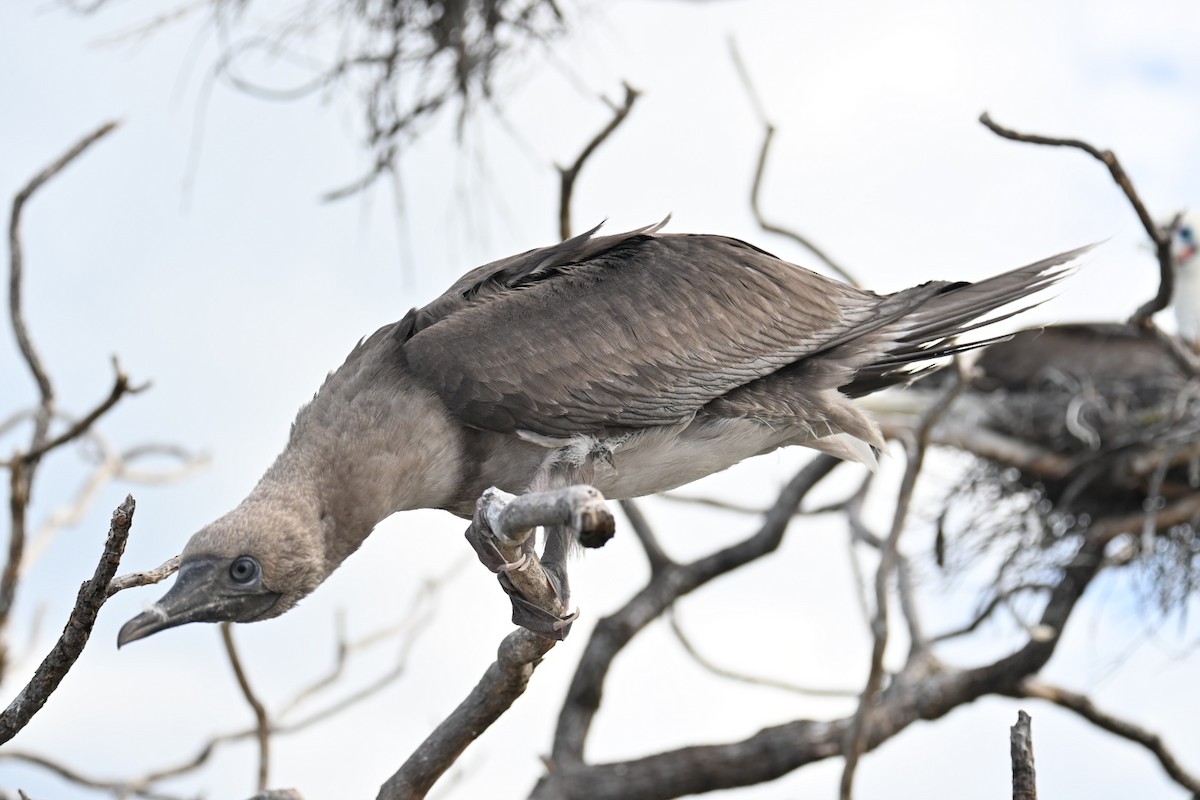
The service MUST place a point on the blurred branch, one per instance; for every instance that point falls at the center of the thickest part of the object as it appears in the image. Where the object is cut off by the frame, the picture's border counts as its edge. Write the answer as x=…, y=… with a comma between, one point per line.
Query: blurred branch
x=760, y=170
x=1082, y=705
x=568, y=175
x=889, y=559
x=62, y=656
x=1161, y=237
x=722, y=672
x=120, y=388
x=262, y=720
x=22, y=474
x=658, y=558
x=16, y=259
x=924, y=689
x=613, y=633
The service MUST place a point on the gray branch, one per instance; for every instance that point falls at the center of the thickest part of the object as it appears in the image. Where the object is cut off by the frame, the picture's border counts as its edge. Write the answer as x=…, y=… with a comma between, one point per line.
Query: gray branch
x=62, y=656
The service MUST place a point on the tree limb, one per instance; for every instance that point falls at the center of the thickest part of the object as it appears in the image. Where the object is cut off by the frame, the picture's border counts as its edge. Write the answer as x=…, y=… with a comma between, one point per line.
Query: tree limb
x=262, y=719
x=611, y=634
x=503, y=682
x=568, y=175
x=1161, y=237
x=62, y=656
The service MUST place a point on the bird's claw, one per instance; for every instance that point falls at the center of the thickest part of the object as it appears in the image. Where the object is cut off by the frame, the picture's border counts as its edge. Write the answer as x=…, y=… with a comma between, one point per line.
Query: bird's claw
x=533, y=617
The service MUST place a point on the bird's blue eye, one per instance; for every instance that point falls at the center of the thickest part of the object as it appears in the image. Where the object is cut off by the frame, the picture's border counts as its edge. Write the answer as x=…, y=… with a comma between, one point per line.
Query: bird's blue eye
x=244, y=569
x=1187, y=234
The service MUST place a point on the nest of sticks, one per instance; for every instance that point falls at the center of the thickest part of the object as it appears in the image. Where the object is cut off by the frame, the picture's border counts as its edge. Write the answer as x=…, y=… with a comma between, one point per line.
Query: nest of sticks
x=1081, y=430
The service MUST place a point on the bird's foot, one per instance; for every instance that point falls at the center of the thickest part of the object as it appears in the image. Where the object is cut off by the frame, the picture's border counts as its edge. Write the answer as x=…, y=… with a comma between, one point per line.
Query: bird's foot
x=501, y=534
x=532, y=616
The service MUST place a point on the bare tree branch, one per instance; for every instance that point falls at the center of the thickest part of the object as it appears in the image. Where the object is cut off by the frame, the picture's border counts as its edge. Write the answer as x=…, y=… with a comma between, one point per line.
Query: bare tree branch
x=760, y=170
x=753, y=680
x=1159, y=236
x=1082, y=705
x=16, y=258
x=612, y=633
x=568, y=175
x=134, y=579
x=120, y=388
x=262, y=720
x=503, y=682
x=856, y=741
x=1021, y=748
x=62, y=656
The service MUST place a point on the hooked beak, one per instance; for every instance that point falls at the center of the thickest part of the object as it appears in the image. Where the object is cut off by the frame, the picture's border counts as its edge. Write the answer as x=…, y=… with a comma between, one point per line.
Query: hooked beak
x=202, y=593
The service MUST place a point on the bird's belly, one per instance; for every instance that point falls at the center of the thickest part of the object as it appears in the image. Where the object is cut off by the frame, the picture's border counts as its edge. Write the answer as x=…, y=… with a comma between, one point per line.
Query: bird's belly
x=663, y=458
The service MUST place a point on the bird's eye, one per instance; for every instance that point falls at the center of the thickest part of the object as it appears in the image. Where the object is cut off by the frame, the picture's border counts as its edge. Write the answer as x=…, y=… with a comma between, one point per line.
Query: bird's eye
x=244, y=569
x=1186, y=234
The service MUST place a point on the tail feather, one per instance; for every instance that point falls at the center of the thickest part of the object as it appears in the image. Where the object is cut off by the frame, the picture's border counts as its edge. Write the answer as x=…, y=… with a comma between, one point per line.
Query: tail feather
x=927, y=331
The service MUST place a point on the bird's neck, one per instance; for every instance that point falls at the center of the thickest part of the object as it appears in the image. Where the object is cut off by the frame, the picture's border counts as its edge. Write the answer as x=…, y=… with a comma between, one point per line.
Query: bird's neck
x=366, y=447
x=1187, y=301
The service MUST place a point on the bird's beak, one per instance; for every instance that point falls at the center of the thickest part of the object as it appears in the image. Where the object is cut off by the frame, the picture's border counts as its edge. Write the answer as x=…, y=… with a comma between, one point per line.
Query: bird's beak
x=200, y=594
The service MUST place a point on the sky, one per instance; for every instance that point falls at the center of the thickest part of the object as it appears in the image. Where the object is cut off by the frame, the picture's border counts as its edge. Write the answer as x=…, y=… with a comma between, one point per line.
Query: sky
x=192, y=244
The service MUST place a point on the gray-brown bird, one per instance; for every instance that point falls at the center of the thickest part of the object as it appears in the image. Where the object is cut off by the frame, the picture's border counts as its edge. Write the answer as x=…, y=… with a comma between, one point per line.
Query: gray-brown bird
x=635, y=362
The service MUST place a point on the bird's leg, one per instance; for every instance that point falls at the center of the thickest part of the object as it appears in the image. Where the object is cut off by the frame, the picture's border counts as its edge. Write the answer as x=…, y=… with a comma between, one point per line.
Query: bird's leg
x=554, y=562
x=502, y=535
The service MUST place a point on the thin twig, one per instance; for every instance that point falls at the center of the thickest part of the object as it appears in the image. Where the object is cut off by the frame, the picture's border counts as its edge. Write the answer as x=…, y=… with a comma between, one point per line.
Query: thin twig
x=16, y=257
x=753, y=680
x=856, y=740
x=70, y=644
x=760, y=170
x=262, y=720
x=120, y=388
x=568, y=175
x=1161, y=237
x=612, y=633
x=132, y=580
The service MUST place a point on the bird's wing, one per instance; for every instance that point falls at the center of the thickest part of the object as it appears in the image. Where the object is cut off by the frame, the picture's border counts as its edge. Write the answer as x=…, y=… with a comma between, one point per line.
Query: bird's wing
x=599, y=336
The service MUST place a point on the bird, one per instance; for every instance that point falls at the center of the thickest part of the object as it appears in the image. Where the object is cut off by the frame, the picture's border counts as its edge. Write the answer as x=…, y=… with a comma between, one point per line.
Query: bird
x=1186, y=297
x=634, y=362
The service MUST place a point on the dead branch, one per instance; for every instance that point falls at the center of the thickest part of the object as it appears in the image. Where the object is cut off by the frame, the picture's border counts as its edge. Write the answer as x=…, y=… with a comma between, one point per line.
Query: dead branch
x=753, y=680
x=262, y=720
x=16, y=257
x=999, y=599
x=760, y=170
x=415, y=621
x=1082, y=705
x=503, y=682
x=674, y=581
x=121, y=387
x=1021, y=748
x=1161, y=237
x=134, y=579
x=22, y=475
x=924, y=689
x=62, y=656
x=568, y=175
x=657, y=557
x=889, y=558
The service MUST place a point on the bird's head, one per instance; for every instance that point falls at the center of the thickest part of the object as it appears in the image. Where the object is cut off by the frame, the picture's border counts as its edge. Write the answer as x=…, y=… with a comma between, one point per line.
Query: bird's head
x=251, y=564
x=1186, y=240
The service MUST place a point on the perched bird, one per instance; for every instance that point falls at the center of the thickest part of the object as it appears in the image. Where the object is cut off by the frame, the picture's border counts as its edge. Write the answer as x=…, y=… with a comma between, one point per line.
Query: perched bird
x=635, y=362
